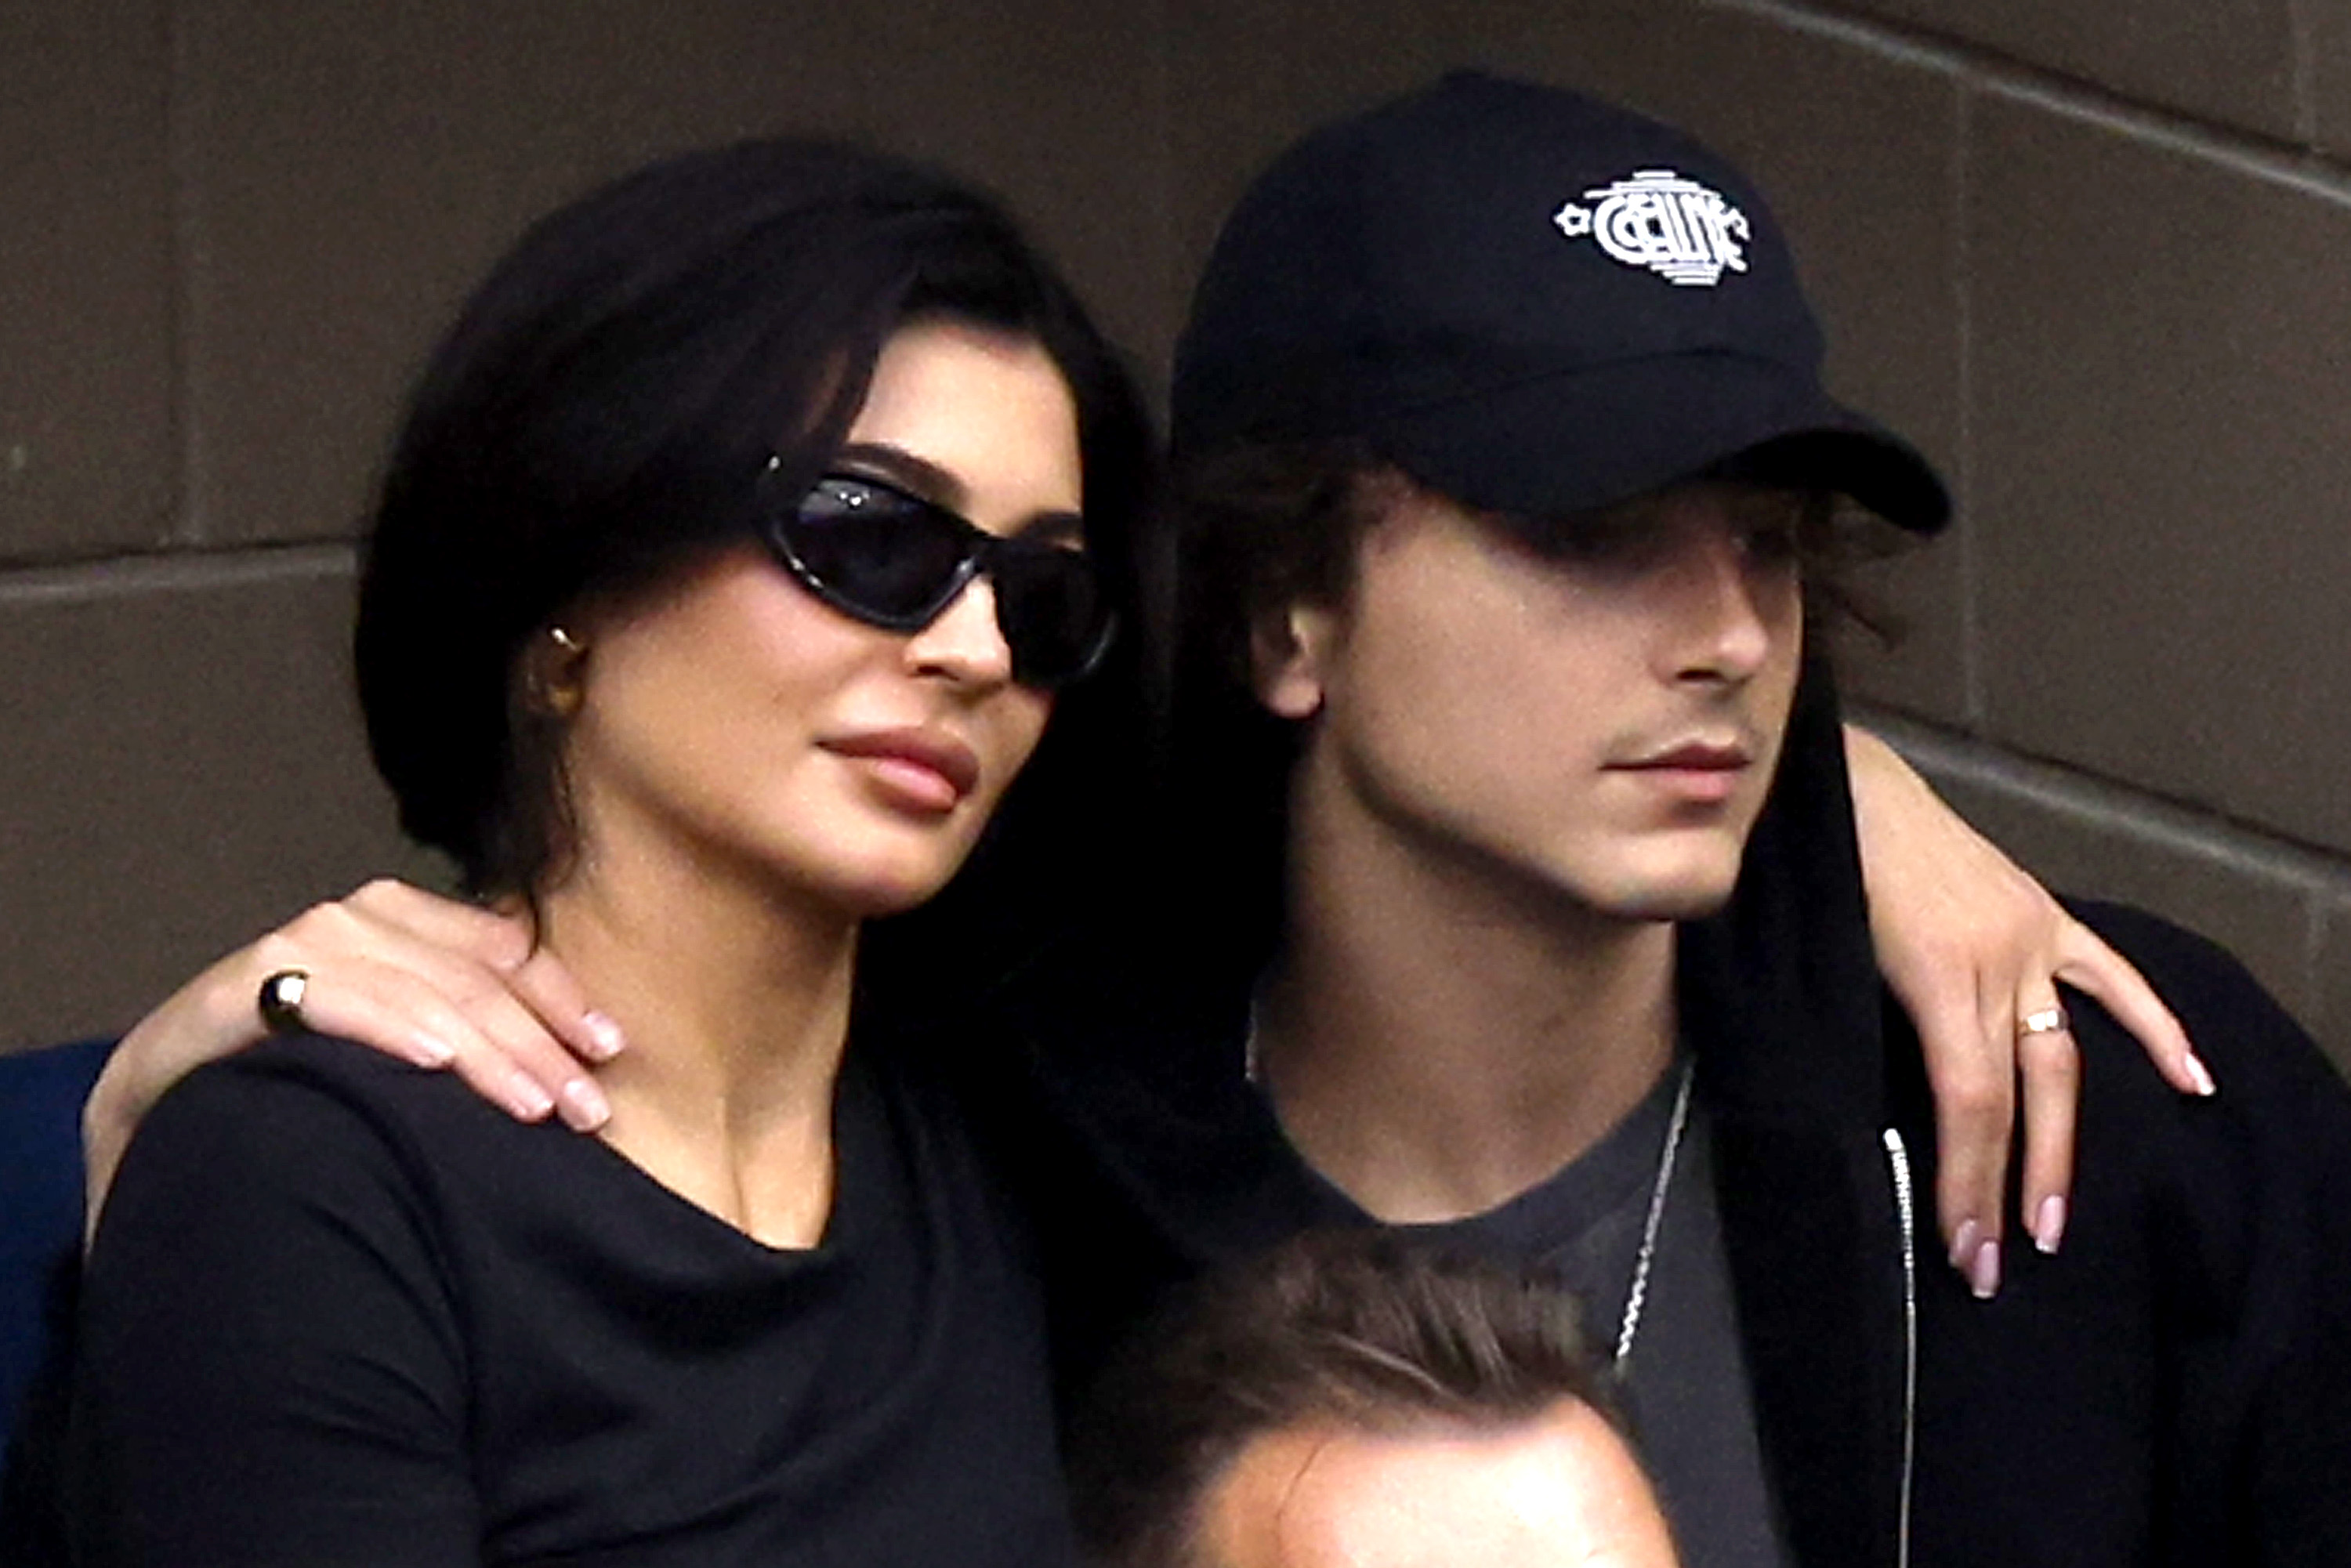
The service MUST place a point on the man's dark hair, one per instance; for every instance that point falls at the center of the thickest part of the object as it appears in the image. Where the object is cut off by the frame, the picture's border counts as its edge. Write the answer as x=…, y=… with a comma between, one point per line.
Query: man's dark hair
x=1265, y=526
x=1362, y=1329
x=604, y=413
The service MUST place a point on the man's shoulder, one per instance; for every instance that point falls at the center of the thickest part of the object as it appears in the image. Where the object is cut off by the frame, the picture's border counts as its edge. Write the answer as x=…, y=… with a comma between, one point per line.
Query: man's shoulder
x=2233, y=1020
x=2255, y=1184
x=2186, y=959
x=2275, y=1139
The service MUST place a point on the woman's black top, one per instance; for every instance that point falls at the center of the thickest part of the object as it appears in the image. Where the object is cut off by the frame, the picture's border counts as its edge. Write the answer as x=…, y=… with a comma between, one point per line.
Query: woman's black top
x=340, y=1311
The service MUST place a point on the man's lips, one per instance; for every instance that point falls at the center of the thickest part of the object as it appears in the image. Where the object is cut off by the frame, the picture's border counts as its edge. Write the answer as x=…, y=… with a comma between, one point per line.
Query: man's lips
x=1699, y=772
x=1691, y=756
x=933, y=768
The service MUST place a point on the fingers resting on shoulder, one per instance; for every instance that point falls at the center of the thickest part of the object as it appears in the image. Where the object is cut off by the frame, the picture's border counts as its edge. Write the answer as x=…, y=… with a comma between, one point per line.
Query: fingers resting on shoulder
x=1977, y=950
x=427, y=979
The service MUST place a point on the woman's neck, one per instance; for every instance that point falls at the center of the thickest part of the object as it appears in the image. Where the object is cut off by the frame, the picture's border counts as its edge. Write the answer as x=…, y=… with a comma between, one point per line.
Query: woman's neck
x=735, y=999
x=1437, y=1037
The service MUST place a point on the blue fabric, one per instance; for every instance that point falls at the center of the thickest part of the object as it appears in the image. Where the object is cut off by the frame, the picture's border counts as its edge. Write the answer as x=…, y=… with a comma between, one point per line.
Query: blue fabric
x=41, y=1093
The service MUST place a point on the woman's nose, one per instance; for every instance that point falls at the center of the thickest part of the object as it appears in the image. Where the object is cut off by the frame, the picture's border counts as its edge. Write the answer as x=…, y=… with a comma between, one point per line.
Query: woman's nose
x=963, y=641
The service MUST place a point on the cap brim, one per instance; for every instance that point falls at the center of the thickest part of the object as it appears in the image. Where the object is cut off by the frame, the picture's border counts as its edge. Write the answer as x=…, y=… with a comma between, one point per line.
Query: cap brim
x=1572, y=442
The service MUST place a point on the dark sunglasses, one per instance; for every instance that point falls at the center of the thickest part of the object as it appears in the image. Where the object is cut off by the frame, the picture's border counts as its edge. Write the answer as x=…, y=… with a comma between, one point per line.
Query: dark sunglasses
x=892, y=560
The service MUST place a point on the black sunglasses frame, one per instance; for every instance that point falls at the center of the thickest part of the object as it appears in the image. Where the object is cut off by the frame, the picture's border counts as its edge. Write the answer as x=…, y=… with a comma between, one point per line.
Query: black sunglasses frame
x=979, y=554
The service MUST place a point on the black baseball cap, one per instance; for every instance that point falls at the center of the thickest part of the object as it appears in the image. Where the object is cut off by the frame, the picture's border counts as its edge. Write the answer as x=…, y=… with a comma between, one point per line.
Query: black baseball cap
x=1532, y=301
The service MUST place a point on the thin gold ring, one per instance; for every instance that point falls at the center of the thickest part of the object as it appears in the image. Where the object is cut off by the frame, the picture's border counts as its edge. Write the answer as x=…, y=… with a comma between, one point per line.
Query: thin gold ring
x=2047, y=1020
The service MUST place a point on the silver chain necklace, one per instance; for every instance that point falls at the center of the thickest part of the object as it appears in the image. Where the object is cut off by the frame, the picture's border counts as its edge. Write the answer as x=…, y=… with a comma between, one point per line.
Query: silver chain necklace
x=1628, y=1325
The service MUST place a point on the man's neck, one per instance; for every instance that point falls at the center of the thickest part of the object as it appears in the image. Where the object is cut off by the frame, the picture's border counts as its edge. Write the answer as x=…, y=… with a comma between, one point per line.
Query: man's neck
x=1436, y=1039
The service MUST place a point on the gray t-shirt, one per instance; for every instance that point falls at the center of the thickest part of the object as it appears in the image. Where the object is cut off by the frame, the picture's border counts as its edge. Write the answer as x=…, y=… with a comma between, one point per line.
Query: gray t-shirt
x=1685, y=1379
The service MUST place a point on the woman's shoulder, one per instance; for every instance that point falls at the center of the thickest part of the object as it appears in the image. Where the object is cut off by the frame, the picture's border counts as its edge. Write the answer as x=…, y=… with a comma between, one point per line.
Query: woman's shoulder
x=316, y=1124
x=301, y=1088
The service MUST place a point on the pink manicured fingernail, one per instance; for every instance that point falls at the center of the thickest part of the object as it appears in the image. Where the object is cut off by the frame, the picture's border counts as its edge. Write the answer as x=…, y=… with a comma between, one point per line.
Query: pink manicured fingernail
x=526, y=1098
x=604, y=1037
x=1983, y=1274
x=1963, y=1244
x=431, y=1050
x=584, y=1106
x=2201, y=1075
x=2049, y=1223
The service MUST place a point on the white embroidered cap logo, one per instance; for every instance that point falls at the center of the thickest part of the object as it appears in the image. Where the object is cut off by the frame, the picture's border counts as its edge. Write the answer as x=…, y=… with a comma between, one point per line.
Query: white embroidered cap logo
x=1682, y=231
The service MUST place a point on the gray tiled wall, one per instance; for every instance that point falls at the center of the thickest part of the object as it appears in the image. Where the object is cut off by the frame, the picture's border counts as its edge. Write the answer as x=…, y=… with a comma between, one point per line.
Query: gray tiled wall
x=2231, y=62
x=183, y=763
x=2159, y=480
x=88, y=460
x=2091, y=257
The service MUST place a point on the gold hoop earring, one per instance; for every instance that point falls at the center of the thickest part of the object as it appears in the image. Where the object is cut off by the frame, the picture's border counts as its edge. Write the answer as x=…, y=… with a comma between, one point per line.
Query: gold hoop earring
x=556, y=689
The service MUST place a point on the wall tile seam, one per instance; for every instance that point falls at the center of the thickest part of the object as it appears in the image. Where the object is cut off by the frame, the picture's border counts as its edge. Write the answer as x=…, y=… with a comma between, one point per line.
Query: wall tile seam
x=112, y=552
x=189, y=259
x=1173, y=290
x=2295, y=166
x=2308, y=871
x=1975, y=680
x=182, y=571
x=2302, y=37
x=2314, y=927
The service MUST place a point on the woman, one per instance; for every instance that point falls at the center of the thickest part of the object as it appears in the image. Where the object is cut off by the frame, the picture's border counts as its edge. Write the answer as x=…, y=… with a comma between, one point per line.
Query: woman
x=737, y=538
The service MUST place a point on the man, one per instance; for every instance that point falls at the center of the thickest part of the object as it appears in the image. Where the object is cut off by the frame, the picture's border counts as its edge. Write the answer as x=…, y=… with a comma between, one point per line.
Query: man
x=1507, y=471
x=1352, y=1399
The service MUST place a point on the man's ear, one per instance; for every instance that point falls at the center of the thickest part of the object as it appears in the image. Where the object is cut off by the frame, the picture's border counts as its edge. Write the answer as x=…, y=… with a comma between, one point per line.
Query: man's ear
x=1288, y=655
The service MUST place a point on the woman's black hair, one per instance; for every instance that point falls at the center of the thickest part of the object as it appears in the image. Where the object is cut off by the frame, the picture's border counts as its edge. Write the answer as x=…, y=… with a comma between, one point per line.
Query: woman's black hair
x=604, y=411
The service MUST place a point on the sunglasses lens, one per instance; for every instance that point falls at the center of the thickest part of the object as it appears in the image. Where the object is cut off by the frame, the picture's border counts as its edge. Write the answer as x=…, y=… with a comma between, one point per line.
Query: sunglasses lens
x=897, y=560
x=875, y=551
x=1050, y=604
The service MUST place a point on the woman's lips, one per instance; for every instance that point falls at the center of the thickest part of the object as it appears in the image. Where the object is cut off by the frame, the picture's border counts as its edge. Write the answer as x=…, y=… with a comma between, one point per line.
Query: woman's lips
x=922, y=770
